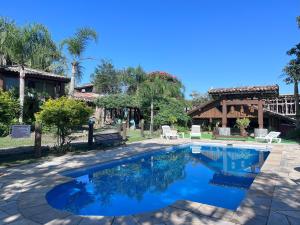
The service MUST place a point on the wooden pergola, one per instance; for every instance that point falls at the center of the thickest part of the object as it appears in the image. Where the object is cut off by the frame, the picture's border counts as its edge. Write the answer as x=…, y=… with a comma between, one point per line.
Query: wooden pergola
x=240, y=102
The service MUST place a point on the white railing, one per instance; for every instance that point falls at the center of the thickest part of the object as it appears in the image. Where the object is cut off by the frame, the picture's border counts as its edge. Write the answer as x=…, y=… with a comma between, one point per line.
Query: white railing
x=284, y=105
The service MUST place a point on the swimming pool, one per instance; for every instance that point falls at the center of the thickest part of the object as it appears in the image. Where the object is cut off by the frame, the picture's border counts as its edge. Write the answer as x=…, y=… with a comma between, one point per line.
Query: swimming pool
x=214, y=175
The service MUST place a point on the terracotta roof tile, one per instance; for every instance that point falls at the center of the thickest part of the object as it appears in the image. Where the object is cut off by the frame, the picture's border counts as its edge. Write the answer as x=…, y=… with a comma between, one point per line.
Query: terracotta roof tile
x=86, y=96
x=245, y=90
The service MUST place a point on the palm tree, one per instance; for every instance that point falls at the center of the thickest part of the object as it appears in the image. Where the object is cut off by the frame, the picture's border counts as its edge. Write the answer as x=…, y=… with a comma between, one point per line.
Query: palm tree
x=76, y=45
x=31, y=46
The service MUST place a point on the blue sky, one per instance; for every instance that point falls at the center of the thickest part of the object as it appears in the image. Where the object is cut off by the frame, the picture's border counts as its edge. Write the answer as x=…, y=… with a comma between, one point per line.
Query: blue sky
x=206, y=43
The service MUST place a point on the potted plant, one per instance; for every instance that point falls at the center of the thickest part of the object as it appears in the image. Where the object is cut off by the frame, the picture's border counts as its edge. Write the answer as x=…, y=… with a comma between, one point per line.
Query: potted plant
x=242, y=124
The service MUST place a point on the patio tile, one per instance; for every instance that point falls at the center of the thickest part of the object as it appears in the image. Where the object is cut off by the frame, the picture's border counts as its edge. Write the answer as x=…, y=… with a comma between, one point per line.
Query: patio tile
x=149, y=218
x=255, y=200
x=32, y=199
x=249, y=220
x=37, y=209
x=293, y=221
x=9, y=207
x=284, y=204
x=187, y=205
x=23, y=222
x=295, y=214
x=3, y=214
x=11, y=218
x=70, y=220
x=193, y=219
x=96, y=220
x=215, y=212
x=277, y=219
x=160, y=217
x=124, y=220
x=44, y=217
x=259, y=210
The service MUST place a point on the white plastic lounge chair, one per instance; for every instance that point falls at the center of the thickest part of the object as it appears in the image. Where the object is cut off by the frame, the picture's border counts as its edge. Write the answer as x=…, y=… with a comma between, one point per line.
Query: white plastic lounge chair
x=195, y=131
x=168, y=133
x=272, y=136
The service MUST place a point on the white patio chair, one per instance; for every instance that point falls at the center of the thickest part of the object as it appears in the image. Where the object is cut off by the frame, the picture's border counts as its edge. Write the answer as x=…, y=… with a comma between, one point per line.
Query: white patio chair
x=272, y=136
x=168, y=133
x=195, y=131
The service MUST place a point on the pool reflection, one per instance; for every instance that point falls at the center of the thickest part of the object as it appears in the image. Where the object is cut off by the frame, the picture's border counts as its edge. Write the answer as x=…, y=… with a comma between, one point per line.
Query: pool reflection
x=206, y=174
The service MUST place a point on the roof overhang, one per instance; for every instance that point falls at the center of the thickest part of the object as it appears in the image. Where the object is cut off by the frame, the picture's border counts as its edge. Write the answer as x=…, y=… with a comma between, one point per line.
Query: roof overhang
x=34, y=73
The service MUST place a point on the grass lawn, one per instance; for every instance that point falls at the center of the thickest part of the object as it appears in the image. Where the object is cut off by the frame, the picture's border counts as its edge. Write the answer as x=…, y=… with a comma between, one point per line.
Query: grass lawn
x=209, y=136
x=135, y=135
x=24, y=158
x=6, y=142
x=47, y=139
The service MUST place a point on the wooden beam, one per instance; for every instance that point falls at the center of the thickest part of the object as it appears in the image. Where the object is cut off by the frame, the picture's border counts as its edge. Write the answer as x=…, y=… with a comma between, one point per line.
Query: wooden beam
x=1, y=82
x=241, y=102
x=224, y=113
x=260, y=115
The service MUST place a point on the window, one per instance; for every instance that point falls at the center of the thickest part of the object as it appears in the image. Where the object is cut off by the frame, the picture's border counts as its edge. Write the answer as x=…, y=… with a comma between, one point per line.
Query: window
x=10, y=83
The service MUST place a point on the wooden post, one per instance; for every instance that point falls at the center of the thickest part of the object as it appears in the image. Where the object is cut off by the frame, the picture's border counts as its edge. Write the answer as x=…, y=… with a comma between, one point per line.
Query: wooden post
x=91, y=133
x=124, y=130
x=128, y=117
x=101, y=117
x=1, y=82
x=142, y=127
x=119, y=128
x=260, y=115
x=38, y=140
x=224, y=113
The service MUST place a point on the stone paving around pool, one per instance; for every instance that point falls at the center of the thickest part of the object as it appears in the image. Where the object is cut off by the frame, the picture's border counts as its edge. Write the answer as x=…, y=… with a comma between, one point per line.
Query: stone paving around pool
x=273, y=199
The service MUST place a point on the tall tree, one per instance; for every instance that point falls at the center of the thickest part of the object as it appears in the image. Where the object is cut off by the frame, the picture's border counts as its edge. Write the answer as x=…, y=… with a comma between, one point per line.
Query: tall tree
x=159, y=85
x=76, y=46
x=132, y=79
x=7, y=31
x=106, y=78
x=31, y=46
x=292, y=70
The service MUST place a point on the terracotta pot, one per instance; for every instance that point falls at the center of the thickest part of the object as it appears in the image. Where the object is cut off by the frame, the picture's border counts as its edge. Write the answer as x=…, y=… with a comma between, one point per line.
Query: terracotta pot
x=243, y=132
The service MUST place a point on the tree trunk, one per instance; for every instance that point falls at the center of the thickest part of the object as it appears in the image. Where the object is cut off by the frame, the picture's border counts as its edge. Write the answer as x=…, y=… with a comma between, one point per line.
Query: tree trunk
x=151, y=118
x=72, y=83
x=38, y=139
x=22, y=92
x=297, y=109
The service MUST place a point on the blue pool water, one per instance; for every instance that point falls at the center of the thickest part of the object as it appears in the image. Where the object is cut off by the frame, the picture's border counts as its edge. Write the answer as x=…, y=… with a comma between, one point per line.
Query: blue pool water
x=214, y=175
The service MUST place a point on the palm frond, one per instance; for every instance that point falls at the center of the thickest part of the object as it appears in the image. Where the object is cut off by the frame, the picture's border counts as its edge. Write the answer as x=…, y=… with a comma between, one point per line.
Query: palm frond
x=76, y=45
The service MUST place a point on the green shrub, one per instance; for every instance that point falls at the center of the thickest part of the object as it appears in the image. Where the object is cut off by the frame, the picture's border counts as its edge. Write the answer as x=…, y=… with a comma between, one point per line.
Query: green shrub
x=64, y=114
x=171, y=112
x=182, y=129
x=9, y=111
x=293, y=134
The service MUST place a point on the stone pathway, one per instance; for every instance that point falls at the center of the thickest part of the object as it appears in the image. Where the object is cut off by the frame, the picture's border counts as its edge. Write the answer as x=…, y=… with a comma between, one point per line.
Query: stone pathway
x=273, y=199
